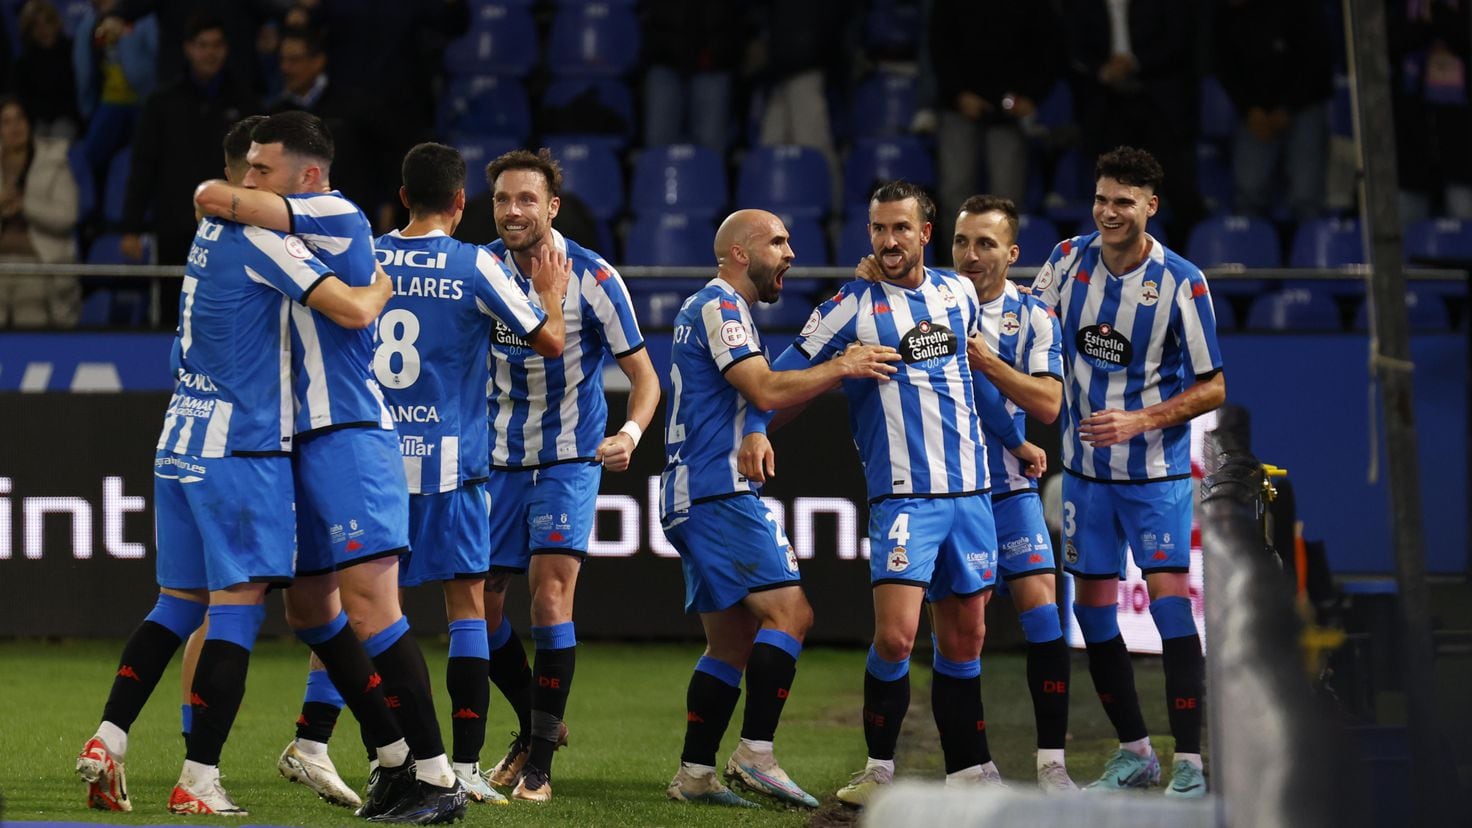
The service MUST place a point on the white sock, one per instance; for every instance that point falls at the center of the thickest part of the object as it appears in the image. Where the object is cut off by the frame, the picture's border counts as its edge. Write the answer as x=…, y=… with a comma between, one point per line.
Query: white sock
x=114, y=738
x=1139, y=747
x=435, y=771
x=1047, y=755
x=991, y=766
x=393, y=755
x=311, y=748
x=964, y=775
x=1193, y=758
x=755, y=746
x=887, y=764
x=373, y=765
x=197, y=776
x=698, y=771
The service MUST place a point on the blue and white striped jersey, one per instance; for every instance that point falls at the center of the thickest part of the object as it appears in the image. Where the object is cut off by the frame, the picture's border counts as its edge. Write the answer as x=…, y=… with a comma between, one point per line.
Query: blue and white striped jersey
x=232, y=388
x=546, y=411
x=431, y=357
x=331, y=365
x=1129, y=341
x=919, y=433
x=1022, y=332
x=706, y=416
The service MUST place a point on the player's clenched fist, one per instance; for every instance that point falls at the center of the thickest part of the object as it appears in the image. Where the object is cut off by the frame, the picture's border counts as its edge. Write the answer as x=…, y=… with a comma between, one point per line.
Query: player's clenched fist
x=868, y=361
x=615, y=452
x=755, y=460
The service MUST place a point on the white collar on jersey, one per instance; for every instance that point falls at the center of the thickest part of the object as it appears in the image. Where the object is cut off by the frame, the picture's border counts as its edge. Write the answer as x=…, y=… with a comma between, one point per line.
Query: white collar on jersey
x=399, y=234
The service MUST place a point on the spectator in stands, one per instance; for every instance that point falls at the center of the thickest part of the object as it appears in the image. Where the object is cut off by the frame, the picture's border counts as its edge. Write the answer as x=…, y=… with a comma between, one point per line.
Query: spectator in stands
x=367, y=143
x=1136, y=82
x=804, y=54
x=1429, y=56
x=240, y=20
x=38, y=214
x=988, y=96
x=43, y=72
x=115, y=73
x=691, y=52
x=176, y=145
x=1274, y=60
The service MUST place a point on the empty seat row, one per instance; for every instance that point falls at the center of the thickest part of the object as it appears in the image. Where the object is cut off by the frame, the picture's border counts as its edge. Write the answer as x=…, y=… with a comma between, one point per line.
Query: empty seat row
x=1319, y=243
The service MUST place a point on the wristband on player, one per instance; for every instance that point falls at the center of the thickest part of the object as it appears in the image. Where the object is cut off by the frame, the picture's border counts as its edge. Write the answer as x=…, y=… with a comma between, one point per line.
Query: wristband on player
x=632, y=429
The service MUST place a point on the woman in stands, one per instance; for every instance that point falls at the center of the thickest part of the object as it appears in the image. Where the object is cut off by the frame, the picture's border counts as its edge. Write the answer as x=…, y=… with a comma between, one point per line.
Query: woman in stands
x=38, y=214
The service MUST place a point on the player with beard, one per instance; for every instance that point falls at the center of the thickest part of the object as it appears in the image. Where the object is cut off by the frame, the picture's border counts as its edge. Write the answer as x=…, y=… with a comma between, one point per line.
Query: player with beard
x=740, y=571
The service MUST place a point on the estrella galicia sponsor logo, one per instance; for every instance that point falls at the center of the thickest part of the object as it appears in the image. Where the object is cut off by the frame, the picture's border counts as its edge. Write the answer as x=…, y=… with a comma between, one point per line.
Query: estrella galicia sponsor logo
x=502, y=335
x=927, y=340
x=1104, y=347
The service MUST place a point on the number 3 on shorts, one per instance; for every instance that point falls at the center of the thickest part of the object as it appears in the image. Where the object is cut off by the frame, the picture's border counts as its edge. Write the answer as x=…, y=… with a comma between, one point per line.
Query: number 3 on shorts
x=899, y=531
x=1069, y=526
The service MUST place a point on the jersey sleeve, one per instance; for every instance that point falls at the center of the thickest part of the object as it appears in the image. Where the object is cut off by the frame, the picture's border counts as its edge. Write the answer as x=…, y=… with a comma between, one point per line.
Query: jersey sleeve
x=326, y=221
x=829, y=329
x=1195, y=326
x=991, y=406
x=1048, y=283
x=727, y=332
x=497, y=295
x=1044, y=353
x=608, y=297
x=283, y=262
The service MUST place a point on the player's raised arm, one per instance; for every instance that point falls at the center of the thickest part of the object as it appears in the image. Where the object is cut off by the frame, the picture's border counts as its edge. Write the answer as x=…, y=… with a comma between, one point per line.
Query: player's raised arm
x=772, y=390
x=351, y=307
x=232, y=202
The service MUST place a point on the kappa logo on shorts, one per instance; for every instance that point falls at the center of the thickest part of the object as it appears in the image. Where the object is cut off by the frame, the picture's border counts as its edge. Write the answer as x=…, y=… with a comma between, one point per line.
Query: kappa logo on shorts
x=897, y=560
x=1070, y=552
x=791, y=558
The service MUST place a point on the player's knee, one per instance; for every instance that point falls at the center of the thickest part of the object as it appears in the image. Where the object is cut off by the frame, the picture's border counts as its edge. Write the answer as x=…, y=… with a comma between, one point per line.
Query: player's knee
x=893, y=645
x=961, y=645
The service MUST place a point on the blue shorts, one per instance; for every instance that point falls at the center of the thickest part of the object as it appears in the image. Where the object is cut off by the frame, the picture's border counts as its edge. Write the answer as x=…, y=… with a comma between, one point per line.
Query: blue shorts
x=223, y=520
x=730, y=548
x=1152, y=517
x=449, y=536
x=946, y=544
x=545, y=510
x=352, y=499
x=1023, y=545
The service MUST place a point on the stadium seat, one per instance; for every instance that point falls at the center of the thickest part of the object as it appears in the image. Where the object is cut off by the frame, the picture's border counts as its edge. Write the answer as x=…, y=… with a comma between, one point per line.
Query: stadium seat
x=1214, y=178
x=487, y=107
x=876, y=160
x=1234, y=240
x=593, y=40
x=1425, y=310
x=1056, y=110
x=478, y=152
x=502, y=41
x=671, y=240
x=657, y=300
x=785, y=179
x=1218, y=115
x=107, y=249
x=883, y=105
x=1072, y=192
x=686, y=178
x=1226, y=314
x=76, y=161
x=588, y=107
x=1036, y=238
x=791, y=311
x=1328, y=243
x=1341, y=108
x=591, y=170
x=808, y=239
x=1439, y=241
x=115, y=190
x=1297, y=306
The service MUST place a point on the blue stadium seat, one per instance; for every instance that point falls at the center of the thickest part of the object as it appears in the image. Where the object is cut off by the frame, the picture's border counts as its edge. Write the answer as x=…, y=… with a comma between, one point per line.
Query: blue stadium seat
x=1425, y=309
x=876, y=160
x=785, y=179
x=687, y=178
x=1226, y=314
x=1056, y=110
x=1296, y=307
x=1036, y=238
x=1243, y=240
x=593, y=40
x=487, y=107
x=670, y=239
x=116, y=189
x=658, y=300
x=1327, y=243
x=1072, y=191
x=790, y=311
x=1214, y=178
x=588, y=107
x=808, y=239
x=883, y=105
x=1341, y=108
x=1444, y=240
x=107, y=249
x=592, y=172
x=76, y=161
x=502, y=40
x=1218, y=115
x=478, y=152
x=893, y=28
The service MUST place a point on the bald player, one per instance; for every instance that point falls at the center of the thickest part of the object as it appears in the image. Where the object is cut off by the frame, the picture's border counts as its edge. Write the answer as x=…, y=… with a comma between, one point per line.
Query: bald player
x=740, y=571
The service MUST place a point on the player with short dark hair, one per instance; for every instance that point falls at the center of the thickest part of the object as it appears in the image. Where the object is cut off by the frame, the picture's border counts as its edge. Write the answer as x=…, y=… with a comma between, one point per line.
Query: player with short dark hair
x=1141, y=360
x=740, y=571
x=548, y=452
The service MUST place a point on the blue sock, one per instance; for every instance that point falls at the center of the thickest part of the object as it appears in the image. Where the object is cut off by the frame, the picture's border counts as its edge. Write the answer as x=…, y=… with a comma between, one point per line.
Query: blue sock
x=177, y=615
x=499, y=636
x=321, y=690
x=886, y=670
x=1099, y=624
x=1172, y=616
x=555, y=637
x=312, y=636
x=1041, y=625
x=468, y=639
x=385, y=638
x=720, y=670
x=236, y=623
x=780, y=640
x=186, y=718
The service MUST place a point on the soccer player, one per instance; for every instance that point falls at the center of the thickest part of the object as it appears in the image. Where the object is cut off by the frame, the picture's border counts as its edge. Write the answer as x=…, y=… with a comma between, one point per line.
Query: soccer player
x=1141, y=360
x=224, y=492
x=548, y=453
x=930, y=526
x=1019, y=351
x=433, y=369
x=740, y=571
x=352, y=511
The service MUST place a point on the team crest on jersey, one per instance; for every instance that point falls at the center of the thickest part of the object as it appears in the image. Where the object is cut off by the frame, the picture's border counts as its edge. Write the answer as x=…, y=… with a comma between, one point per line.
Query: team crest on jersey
x=946, y=296
x=1070, y=552
x=733, y=333
x=1010, y=324
x=791, y=558
x=897, y=560
x=1149, y=293
x=1104, y=347
x=811, y=326
x=926, y=341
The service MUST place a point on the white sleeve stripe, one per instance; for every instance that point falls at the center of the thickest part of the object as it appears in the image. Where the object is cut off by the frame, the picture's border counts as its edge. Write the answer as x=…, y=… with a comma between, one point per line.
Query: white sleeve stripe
x=322, y=206
x=331, y=244
x=619, y=340
x=273, y=246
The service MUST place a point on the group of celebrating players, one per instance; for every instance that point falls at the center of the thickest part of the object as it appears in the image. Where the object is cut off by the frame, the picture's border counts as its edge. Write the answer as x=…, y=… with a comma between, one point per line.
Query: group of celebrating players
x=352, y=416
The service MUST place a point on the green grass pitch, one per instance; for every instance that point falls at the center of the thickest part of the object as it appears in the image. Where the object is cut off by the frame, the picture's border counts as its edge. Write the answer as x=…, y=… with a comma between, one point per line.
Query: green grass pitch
x=626, y=716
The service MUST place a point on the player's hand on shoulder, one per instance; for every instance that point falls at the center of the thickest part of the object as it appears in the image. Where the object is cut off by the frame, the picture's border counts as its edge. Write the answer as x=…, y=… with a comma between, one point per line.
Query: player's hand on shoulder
x=868, y=361
x=1111, y=426
x=868, y=269
x=755, y=460
x=615, y=452
x=1034, y=459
